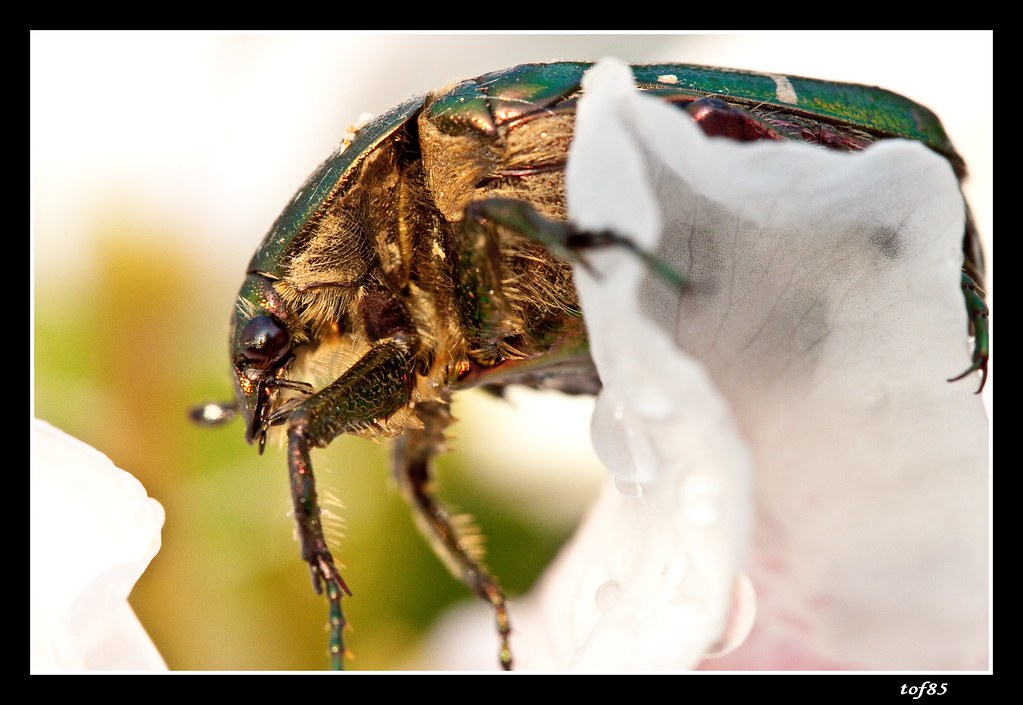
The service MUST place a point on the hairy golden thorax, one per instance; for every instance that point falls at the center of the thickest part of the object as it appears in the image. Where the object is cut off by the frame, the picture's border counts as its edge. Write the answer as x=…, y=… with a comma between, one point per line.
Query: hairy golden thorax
x=396, y=228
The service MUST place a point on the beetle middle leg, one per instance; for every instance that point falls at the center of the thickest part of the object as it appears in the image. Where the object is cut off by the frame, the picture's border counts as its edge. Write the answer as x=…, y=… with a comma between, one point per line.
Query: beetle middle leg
x=563, y=239
x=413, y=456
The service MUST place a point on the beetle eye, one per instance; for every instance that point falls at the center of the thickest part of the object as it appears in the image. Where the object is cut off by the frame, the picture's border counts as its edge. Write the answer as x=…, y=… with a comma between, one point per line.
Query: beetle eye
x=264, y=341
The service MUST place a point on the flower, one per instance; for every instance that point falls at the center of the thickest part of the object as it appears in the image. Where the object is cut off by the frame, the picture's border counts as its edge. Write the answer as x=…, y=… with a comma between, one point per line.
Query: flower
x=782, y=425
x=93, y=532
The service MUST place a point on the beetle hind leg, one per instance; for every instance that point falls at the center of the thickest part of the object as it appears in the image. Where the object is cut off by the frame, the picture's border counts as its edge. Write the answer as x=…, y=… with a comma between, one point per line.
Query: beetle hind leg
x=456, y=547
x=977, y=310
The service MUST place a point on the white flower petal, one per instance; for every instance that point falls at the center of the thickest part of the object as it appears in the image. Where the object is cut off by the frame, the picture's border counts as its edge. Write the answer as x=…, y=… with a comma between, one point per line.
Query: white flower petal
x=823, y=300
x=93, y=533
x=795, y=388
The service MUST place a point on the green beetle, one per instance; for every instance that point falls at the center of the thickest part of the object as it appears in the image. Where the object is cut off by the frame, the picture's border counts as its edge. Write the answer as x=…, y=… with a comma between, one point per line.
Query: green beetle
x=428, y=255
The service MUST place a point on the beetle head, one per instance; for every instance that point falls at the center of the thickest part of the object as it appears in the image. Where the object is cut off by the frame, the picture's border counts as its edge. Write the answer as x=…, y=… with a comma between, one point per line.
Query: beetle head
x=261, y=353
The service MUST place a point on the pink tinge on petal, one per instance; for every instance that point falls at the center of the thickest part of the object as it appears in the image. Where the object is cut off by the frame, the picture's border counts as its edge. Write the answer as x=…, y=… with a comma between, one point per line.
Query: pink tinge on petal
x=760, y=653
x=741, y=617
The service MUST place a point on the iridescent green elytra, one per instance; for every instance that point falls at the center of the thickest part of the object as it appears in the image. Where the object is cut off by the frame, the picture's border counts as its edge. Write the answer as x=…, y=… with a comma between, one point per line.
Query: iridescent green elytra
x=424, y=251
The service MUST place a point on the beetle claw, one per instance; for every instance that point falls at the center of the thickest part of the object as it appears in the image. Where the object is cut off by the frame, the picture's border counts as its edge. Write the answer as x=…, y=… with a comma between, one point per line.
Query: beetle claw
x=977, y=365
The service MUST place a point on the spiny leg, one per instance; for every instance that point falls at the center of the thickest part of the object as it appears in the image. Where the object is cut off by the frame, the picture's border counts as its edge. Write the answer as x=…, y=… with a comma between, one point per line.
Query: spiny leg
x=373, y=388
x=413, y=455
x=310, y=535
x=977, y=310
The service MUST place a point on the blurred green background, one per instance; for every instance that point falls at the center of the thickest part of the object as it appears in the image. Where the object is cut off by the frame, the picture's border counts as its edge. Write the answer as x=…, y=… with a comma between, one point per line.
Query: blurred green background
x=159, y=160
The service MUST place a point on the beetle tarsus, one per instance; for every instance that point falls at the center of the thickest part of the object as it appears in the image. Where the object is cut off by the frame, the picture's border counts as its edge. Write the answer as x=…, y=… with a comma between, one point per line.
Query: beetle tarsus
x=337, y=624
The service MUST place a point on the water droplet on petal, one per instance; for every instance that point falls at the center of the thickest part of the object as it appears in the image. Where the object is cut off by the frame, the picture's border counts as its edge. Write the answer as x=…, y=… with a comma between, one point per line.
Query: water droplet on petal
x=740, y=618
x=629, y=488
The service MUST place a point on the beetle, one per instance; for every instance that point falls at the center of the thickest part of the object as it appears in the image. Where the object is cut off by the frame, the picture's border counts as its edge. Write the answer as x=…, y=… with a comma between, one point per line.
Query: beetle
x=431, y=253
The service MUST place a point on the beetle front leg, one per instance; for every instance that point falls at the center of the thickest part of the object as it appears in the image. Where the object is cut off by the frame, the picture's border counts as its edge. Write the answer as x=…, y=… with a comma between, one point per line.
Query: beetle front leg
x=369, y=392
x=310, y=536
x=412, y=459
